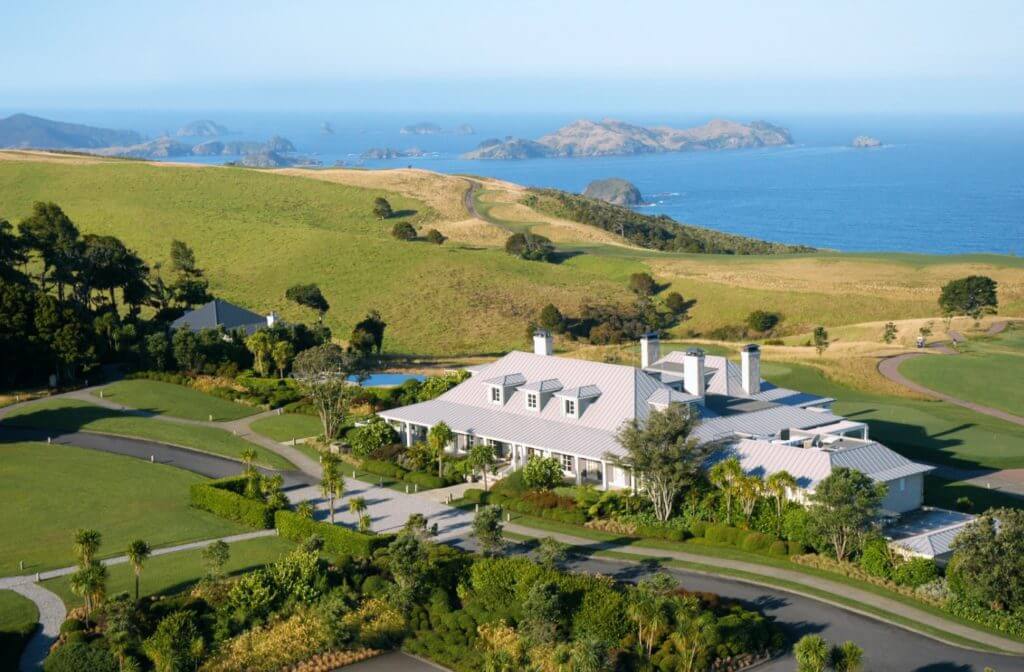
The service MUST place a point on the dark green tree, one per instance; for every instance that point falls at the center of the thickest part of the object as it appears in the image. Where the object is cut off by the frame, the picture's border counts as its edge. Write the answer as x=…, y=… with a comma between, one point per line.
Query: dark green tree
x=675, y=302
x=53, y=238
x=889, y=333
x=530, y=246
x=487, y=530
x=762, y=320
x=436, y=237
x=310, y=296
x=551, y=319
x=973, y=296
x=177, y=645
x=189, y=287
x=404, y=231
x=643, y=284
x=987, y=568
x=368, y=334
x=821, y=341
x=843, y=509
x=381, y=208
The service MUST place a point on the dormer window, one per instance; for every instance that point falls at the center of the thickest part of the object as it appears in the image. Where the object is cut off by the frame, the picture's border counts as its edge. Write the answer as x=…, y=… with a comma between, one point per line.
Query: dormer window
x=531, y=401
x=570, y=407
x=496, y=395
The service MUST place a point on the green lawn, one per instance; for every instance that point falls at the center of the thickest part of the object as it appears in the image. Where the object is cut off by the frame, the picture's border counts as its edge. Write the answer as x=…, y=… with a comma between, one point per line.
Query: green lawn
x=71, y=414
x=175, y=572
x=48, y=491
x=288, y=426
x=989, y=371
x=932, y=431
x=18, y=617
x=177, y=400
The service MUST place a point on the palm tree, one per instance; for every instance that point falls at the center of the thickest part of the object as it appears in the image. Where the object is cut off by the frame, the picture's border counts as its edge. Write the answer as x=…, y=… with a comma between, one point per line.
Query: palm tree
x=305, y=509
x=87, y=542
x=748, y=490
x=90, y=583
x=724, y=476
x=356, y=506
x=778, y=485
x=138, y=552
x=811, y=653
x=438, y=438
x=248, y=458
x=332, y=484
x=481, y=457
x=365, y=523
x=693, y=636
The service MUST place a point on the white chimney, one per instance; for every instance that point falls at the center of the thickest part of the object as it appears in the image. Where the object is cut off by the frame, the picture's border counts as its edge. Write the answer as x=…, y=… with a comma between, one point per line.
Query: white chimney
x=693, y=372
x=650, y=349
x=750, y=360
x=542, y=343
x=271, y=319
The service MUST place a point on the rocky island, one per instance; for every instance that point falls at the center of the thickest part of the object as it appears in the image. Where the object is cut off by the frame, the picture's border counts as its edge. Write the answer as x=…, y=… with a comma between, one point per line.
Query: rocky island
x=617, y=138
x=865, y=142
x=614, y=190
x=166, y=147
x=422, y=128
x=387, y=153
x=204, y=128
x=25, y=131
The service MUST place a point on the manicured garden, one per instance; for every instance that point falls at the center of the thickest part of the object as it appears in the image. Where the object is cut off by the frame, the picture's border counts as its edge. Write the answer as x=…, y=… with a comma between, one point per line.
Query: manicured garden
x=176, y=572
x=988, y=371
x=18, y=616
x=50, y=490
x=170, y=399
x=74, y=415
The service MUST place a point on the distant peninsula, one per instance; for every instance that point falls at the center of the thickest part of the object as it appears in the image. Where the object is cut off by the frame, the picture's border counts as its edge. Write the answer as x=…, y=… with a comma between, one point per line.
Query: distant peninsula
x=204, y=128
x=615, y=191
x=166, y=147
x=25, y=131
x=386, y=153
x=609, y=137
x=866, y=142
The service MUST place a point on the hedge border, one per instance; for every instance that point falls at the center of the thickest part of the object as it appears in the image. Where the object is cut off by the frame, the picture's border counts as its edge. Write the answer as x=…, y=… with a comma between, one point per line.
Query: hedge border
x=221, y=497
x=338, y=540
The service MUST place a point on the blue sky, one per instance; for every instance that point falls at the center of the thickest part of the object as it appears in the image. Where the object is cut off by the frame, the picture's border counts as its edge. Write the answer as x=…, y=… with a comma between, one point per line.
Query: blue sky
x=902, y=56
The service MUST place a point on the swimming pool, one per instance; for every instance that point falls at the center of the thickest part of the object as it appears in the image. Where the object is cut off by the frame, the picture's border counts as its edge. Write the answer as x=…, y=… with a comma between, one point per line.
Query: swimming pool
x=380, y=379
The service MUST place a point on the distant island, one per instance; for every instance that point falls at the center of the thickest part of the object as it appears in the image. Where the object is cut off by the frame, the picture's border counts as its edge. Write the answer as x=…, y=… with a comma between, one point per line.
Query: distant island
x=616, y=138
x=204, y=128
x=385, y=153
x=865, y=142
x=615, y=191
x=325, y=128
x=430, y=128
x=25, y=131
x=166, y=147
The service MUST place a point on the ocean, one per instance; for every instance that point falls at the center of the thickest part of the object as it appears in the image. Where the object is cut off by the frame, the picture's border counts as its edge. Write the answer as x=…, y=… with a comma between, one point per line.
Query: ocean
x=941, y=186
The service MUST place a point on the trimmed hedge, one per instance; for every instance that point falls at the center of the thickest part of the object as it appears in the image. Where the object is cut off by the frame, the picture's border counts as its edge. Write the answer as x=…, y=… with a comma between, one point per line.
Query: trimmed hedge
x=382, y=468
x=338, y=540
x=570, y=516
x=424, y=480
x=221, y=497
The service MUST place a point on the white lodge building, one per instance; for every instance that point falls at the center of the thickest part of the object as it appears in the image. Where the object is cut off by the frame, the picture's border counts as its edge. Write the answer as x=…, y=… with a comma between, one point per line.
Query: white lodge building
x=528, y=404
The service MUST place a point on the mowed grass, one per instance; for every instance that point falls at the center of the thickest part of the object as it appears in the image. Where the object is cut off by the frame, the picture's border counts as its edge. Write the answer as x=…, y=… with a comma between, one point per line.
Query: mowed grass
x=257, y=233
x=162, y=398
x=175, y=572
x=74, y=415
x=18, y=617
x=988, y=371
x=288, y=426
x=48, y=491
x=929, y=431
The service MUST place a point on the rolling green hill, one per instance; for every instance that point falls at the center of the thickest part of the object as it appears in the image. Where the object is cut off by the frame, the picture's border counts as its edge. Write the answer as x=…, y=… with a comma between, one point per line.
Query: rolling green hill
x=256, y=233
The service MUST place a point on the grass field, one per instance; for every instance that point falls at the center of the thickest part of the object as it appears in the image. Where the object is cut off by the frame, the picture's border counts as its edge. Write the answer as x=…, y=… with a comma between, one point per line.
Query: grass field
x=18, y=617
x=169, y=399
x=320, y=229
x=931, y=431
x=73, y=415
x=988, y=371
x=48, y=491
x=288, y=426
x=174, y=572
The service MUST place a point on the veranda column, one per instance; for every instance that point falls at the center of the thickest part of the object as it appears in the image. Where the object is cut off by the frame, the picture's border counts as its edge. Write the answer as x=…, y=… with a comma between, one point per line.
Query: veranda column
x=576, y=469
x=604, y=475
x=408, y=435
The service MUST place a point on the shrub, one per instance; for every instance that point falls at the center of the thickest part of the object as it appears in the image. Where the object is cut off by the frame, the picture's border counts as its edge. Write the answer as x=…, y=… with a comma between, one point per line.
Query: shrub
x=372, y=436
x=436, y=237
x=273, y=647
x=762, y=320
x=916, y=572
x=794, y=547
x=338, y=540
x=546, y=499
x=424, y=480
x=778, y=547
x=219, y=498
x=542, y=473
x=71, y=625
x=513, y=484
x=403, y=231
x=698, y=528
x=964, y=504
x=722, y=534
x=529, y=246
x=876, y=559
x=476, y=496
x=755, y=542
x=375, y=586
x=78, y=657
x=381, y=468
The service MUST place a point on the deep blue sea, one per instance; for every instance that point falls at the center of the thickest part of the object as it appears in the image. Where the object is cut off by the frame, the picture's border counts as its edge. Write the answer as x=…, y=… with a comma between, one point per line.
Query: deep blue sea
x=944, y=185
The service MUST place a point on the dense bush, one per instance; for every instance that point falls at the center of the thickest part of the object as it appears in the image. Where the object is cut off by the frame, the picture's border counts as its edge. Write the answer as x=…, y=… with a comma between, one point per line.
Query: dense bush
x=778, y=547
x=876, y=559
x=542, y=473
x=222, y=498
x=476, y=496
x=530, y=246
x=81, y=657
x=338, y=540
x=755, y=542
x=372, y=436
x=404, y=231
x=382, y=468
x=424, y=480
x=915, y=572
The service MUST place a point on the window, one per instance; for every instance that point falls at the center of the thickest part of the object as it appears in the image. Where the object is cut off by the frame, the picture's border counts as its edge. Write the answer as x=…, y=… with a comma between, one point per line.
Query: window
x=570, y=407
x=531, y=401
x=903, y=484
x=496, y=395
x=567, y=462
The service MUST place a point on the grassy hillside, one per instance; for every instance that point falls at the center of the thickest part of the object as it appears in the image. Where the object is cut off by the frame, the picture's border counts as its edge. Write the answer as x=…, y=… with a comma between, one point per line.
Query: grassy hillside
x=257, y=232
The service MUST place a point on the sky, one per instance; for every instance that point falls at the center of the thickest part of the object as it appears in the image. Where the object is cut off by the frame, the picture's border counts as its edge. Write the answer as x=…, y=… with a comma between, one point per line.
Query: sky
x=813, y=56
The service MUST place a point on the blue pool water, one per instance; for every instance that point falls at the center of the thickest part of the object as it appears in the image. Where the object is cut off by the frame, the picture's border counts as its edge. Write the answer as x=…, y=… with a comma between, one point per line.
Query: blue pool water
x=388, y=379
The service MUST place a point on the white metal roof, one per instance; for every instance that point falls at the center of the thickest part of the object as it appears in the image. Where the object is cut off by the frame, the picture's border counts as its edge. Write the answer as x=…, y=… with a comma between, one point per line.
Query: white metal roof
x=507, y=380
x=544, y=386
